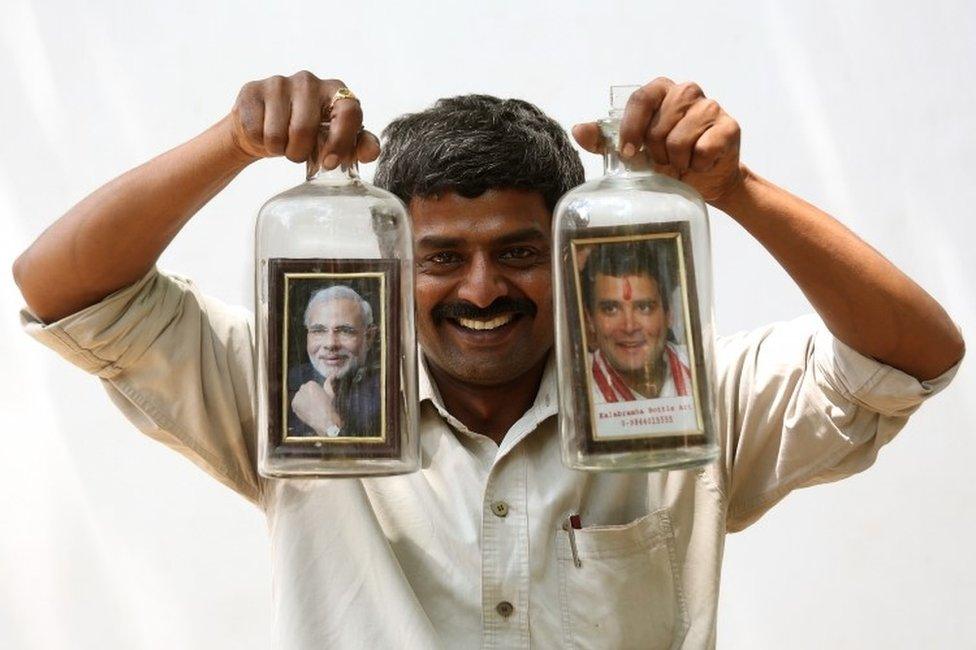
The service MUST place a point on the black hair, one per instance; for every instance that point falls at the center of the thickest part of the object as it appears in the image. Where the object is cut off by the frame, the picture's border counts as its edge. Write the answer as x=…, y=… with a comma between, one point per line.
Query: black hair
x=618, y=260
x=473, y=143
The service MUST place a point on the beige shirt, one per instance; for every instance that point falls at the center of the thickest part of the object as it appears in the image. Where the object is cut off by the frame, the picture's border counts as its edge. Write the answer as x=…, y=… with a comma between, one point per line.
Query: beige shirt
x=423, y=560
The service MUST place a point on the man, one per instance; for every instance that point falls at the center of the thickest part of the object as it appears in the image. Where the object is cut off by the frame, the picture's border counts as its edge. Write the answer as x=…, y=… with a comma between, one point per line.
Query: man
x=627, y=316
x=472, y=551
x=336, y=393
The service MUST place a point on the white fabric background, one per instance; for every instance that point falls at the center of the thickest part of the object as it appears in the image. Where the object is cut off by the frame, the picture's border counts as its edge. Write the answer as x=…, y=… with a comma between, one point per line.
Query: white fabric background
x=108, y=540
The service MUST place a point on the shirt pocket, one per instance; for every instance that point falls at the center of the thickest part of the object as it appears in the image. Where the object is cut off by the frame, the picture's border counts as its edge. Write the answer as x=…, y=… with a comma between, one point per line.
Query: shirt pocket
x=626, y=593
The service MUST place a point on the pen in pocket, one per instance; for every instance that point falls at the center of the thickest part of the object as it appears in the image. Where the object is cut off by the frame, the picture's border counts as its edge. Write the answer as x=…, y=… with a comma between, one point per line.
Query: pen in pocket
x=571, y=526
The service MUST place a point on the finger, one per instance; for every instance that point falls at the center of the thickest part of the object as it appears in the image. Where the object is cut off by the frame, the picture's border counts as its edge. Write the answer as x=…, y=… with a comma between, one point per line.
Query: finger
x=718, y=142
x=589, y=137
x=250, y=113
x=277, y=113
x=345, y=121
x=641, y=107
x=367, y=147
x=673, y=108
x=680, y=141
x=303, y=126
x=329, y=386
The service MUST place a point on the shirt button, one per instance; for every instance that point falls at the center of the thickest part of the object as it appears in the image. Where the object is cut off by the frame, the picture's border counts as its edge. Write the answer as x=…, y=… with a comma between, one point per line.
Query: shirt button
x=504, y=609
x=500, y=508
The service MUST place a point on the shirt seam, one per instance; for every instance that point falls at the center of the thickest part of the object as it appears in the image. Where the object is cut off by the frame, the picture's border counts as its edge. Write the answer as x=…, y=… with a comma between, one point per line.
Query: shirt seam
x=98, y=364
x=710, y=484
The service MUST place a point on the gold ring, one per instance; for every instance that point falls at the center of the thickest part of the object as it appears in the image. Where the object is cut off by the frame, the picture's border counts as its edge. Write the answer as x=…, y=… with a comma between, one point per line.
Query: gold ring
x=343, y=93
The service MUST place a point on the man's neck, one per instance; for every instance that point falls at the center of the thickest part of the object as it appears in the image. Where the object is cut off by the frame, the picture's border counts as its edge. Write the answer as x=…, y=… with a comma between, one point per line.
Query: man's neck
x=489, y=410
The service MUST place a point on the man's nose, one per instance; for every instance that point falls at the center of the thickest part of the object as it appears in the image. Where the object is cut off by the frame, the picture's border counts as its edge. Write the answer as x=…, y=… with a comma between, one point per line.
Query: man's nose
x=331, y=339
x=630, y=321
x=483, y=282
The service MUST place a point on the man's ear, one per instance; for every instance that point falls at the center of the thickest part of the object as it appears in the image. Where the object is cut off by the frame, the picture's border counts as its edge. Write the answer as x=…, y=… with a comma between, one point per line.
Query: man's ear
x=590, y=331
x=371, y=335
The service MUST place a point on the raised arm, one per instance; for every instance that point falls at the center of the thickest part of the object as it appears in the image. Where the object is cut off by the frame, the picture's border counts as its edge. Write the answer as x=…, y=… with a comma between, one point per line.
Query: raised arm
x=865, y=300
x=114, y=236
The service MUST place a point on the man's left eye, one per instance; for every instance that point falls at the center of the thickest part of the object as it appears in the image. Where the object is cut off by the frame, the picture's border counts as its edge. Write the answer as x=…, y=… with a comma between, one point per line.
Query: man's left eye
x=519, y=254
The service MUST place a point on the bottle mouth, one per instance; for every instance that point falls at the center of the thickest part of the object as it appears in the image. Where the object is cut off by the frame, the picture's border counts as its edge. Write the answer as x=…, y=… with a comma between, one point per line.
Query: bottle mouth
x=610, y=130
x=619, y=96
x=610, y=125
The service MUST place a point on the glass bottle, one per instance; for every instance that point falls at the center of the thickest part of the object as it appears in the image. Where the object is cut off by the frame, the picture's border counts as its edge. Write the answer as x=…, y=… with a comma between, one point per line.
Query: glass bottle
x=334, y=304
x=634, y=323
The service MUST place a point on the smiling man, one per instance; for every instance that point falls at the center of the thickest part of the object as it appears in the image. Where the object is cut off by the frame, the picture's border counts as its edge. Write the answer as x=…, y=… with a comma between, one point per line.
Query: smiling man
x=484, y=300
x=494, y=544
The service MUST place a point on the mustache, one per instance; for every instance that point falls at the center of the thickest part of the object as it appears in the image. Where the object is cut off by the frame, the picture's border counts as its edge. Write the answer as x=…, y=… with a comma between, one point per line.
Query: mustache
x=502, y=305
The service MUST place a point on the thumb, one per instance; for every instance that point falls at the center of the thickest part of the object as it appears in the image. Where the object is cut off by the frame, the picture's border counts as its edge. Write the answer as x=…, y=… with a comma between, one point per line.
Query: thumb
x=589, y=137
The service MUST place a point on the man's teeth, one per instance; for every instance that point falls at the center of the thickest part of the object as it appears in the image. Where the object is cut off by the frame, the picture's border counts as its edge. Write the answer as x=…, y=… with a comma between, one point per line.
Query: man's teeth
x=472, y=324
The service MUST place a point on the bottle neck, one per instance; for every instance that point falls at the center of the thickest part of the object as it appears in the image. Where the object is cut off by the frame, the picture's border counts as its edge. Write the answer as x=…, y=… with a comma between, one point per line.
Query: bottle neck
x=613, y=163
x=341, y=175
x=315, y=170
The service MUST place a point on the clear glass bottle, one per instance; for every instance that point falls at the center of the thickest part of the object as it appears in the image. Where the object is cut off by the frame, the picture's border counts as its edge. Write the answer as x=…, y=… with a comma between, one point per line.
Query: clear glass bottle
x=334, y=304
x=634, y=323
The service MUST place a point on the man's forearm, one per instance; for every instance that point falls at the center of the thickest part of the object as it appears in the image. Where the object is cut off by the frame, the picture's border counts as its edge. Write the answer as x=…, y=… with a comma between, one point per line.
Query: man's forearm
x=863, y=298
x=113, y=236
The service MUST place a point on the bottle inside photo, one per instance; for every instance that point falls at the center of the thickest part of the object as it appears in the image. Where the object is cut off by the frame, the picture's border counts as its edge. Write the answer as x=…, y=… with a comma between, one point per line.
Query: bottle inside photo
x=334, y=304
x=634, y=322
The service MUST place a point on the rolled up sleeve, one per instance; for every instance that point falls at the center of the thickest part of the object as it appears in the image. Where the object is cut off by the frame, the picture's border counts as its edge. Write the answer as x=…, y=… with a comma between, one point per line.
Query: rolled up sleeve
x=178, y=364
x=799, y=407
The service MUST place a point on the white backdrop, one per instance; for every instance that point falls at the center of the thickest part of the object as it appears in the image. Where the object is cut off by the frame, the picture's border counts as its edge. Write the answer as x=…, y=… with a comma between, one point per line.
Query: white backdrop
x=109, y=540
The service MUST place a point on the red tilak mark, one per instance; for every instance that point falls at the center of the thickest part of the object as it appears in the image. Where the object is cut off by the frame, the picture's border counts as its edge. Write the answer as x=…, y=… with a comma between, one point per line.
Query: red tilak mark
x=627, y=290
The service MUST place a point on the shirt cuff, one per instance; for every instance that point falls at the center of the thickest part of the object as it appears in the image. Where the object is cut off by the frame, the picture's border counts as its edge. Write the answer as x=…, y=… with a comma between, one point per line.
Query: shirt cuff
x=99, y=337
x=869, y=382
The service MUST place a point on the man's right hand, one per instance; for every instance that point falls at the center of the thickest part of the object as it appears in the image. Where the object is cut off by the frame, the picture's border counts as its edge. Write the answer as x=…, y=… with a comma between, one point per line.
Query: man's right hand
x=281, y=116
x=313, y=406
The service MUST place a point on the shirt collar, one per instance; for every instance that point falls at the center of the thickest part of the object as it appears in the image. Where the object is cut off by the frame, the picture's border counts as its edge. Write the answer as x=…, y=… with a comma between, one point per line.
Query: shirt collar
x=544, y=406
x=426, y=390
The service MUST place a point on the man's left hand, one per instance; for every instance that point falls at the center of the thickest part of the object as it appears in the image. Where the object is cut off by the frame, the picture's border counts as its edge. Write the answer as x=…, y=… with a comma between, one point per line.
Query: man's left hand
x=679, y=132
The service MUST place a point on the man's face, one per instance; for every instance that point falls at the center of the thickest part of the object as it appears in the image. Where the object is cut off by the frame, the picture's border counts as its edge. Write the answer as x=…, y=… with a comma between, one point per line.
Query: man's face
x=629, y=322
x=337, y=338
x=484, y=299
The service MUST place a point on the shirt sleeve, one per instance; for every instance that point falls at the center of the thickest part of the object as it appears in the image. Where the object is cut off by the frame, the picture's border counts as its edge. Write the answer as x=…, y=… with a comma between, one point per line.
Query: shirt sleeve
x=798, y=407
x=179, y=365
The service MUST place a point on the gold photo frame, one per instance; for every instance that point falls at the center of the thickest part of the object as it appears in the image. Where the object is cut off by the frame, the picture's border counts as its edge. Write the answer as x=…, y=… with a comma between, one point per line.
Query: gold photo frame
x=333, y=361
x=634, y=313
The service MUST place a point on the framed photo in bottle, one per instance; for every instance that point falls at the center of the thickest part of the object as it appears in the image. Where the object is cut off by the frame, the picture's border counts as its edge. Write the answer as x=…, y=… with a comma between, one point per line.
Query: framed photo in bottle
x=640, y=356
x=333, y=358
